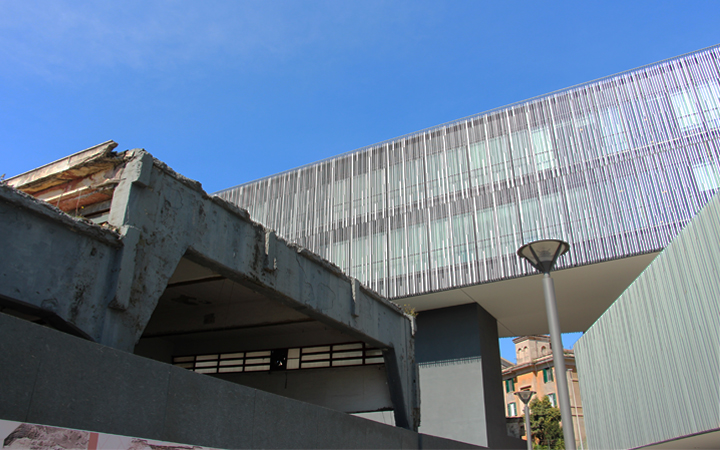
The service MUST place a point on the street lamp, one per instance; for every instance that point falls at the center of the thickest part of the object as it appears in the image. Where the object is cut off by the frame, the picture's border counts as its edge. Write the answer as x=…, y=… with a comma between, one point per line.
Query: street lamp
x=543, y=255
x=525, y=398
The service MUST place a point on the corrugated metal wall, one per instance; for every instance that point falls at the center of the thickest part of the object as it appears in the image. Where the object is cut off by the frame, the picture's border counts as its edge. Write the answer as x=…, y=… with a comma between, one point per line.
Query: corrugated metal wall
x=616, y=167
x=650, y=366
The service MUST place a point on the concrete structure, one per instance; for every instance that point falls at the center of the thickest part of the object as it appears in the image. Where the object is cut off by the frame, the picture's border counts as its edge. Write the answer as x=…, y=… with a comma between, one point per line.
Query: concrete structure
x=458, y=346
x=651, y=364
x=172, y=271
x=616, y=167
x=52, y=378
x=535, y=371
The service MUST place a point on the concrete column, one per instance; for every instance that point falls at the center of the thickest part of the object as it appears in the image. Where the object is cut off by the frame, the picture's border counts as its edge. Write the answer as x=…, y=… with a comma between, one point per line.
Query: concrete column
x=460, y=376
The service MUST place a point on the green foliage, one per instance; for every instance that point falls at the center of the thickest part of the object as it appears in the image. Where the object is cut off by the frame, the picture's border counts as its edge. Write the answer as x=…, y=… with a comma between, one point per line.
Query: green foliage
x=409, y=310
x=545, y=425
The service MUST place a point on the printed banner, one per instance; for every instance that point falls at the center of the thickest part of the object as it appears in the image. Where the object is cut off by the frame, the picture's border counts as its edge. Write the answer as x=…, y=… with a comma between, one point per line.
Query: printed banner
x=30, y=436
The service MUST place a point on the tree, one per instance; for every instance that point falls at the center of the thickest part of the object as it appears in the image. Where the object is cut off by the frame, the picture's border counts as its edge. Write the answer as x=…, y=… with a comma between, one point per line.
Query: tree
x=545, y=424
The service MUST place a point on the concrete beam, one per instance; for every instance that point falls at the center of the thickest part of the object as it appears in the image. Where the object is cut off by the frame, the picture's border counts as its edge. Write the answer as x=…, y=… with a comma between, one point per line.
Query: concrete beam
x=162, y=216
x=61, y=266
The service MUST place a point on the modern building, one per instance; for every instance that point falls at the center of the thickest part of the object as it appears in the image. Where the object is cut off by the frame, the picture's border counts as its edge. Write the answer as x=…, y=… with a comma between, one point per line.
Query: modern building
x=535, y=371
x=616, y=167
x=650, y=366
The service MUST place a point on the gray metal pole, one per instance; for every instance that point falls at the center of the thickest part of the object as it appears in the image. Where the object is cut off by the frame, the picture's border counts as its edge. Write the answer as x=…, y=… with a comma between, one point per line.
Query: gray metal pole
x=528, y=432
x=559, y=362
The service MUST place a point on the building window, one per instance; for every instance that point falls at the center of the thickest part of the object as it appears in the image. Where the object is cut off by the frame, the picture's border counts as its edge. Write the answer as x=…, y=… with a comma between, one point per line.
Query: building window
x=499, y=151
x=709, y=97
x=439, y=243
x=463, y=238
x=553, y=400
x=510, y=385
x=378, y=257
x=340, y=257
x=685, y=109
x=613, y=131
x=707, y=177
x=548, y=375
x=512, y=409
x=341, y=199
x=339, y=355
x=456, y=169
x=543, y=149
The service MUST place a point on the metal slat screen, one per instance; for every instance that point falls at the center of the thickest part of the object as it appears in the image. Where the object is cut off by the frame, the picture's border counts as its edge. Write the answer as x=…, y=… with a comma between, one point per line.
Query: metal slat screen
x=663, y=331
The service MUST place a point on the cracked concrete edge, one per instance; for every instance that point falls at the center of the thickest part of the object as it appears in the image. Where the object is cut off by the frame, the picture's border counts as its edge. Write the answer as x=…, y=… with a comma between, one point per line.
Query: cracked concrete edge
x=47, y=211
x=245, y=215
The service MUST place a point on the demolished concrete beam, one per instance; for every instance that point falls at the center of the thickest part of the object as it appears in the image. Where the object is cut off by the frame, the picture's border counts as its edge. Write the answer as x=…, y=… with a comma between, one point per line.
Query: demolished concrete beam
x=162, y=217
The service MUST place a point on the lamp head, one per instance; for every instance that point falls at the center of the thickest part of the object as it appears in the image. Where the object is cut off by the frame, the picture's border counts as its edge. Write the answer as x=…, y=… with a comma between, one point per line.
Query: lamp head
x=525, y=396
x=543, y=254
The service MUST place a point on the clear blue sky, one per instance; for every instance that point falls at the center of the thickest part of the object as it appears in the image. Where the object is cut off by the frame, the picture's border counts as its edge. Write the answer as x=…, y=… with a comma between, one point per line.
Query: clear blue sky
x=230, y=91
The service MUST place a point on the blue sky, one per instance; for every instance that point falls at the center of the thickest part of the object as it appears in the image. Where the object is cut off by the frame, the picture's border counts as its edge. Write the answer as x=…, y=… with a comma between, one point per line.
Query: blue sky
x=226, y=92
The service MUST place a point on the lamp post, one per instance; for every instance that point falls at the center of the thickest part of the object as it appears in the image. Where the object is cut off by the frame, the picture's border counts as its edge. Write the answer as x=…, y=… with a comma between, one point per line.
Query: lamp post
x=525, y=398
x=543, y=255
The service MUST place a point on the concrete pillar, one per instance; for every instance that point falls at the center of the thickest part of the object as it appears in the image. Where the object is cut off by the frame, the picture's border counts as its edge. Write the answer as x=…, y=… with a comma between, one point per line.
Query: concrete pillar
x=460, y=376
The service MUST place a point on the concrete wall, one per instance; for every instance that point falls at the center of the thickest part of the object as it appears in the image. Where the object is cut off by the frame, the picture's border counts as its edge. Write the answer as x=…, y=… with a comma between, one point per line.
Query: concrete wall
x=649, y=367
x=52, y=378
x=452, y=397
x=460, y=378
x=347, y=389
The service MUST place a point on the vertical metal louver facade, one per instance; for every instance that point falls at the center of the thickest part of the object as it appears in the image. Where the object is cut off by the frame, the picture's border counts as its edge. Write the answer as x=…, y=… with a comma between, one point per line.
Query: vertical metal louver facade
x=651, y=364
x=616, y=167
